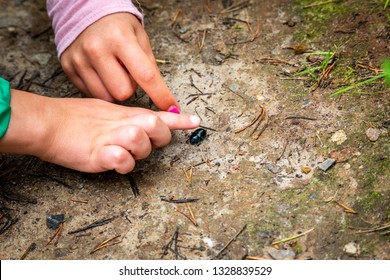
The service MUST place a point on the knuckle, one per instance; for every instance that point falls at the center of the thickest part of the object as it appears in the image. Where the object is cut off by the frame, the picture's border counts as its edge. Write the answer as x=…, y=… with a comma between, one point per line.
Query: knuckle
x=123, y=93
x=167, y=140
x=67, y=66
x=93, y=49
x=164, y=141
x=78, y=61
x=119, y=158
x=118, y=37
x=135, y=133
x=153, y=121
x=147, y=74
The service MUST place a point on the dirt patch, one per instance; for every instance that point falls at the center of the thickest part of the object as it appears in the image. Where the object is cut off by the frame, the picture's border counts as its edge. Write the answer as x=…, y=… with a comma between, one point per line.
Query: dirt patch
x=224, y=64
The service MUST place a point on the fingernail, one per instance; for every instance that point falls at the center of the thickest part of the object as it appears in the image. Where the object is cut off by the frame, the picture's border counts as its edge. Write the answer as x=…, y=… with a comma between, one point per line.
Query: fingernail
x=174, y=109
x=195, y=120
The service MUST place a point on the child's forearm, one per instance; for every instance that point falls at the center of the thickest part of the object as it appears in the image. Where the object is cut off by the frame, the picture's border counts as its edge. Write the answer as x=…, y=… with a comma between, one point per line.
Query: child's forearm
x=71, y=17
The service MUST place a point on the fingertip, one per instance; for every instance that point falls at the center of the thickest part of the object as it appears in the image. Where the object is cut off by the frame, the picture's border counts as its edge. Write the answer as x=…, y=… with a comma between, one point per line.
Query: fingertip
x=165, y=101
x=195, y=120
x=182, y=121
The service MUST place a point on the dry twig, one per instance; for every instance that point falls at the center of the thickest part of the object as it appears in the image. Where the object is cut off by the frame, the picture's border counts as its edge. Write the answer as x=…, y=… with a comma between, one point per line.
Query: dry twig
x=346, y=208
x=255, y=258
x=235, y=7
x=319, y=3
x=323, y=75
x=107, y=243
x=378, y=228
x=79, y=201
x=192, y=214
x=176, y=18
x=188, y=176
x=274, y=61
x=230, y=242
x=93, y=225
x=28, y=250
x=201, y=40
x=259, y=116
x=263, y=115
x=56, y=233
x=187, y=216
x=257, y=136
x=172, y=242
x=293, y=237
x=183, y=200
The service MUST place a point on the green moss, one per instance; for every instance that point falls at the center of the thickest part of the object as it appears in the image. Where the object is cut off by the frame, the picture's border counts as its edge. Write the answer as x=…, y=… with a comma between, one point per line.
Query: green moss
x=315, y=18
x=372, y=199
x=298, y=249
x=253, y=232
x=374, y=164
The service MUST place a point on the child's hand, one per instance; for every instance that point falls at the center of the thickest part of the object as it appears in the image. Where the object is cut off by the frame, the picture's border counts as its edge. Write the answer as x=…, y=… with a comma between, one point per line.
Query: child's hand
x=111, y=57
x=88, y=135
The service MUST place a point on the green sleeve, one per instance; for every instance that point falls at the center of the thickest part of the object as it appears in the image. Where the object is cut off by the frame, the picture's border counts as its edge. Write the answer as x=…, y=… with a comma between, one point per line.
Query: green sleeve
x=5, y=108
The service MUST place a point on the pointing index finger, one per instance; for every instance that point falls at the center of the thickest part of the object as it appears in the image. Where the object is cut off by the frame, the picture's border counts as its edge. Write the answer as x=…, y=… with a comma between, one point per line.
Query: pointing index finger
x=145, y=72
x=179, y=122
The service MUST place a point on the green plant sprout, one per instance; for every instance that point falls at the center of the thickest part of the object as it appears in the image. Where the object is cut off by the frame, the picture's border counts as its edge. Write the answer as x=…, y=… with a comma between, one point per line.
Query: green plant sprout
x=387, y=3
x=329, y=55
x=384, y=75
x=386, y=71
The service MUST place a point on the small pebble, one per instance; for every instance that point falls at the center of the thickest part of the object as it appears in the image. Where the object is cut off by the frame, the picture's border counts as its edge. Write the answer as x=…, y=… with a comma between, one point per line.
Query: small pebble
x=339, y=137
x=324, y=166
x=342, y=155
x=183, y=30
x=42, y=58
x=210, y=243
x=73, y=247
x=54, y=221
x=305, y=169
x=234, y=87
x=293, y=21
x=351, y=248
x=61, y=252
x=281, y=254
x=373, y=134
x=273, y=168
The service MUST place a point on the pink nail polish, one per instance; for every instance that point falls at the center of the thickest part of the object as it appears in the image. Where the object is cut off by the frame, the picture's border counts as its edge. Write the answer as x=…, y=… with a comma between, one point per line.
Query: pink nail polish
x=174, y=109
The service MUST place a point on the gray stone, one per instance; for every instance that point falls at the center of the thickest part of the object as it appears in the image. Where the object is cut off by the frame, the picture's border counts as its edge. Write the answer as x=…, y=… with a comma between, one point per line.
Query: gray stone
x=351, y=248
x=281, y=254
x=273, y=168
x=373, y=134
x=61, y=252
x=41, y=58
x=183, y=30
x=234, y=87
x=324, y=166
x=54, y=221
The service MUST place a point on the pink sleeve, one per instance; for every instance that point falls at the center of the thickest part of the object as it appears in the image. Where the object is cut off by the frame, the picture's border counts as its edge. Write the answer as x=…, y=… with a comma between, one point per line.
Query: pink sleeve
x=71, y=17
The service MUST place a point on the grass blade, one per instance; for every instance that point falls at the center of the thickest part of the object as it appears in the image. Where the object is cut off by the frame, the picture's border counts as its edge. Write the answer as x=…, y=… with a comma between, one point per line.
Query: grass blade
x=370, y=80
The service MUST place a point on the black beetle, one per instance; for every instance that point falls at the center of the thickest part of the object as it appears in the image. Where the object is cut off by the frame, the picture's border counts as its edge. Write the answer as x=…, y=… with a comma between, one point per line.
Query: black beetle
x=198, y=136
